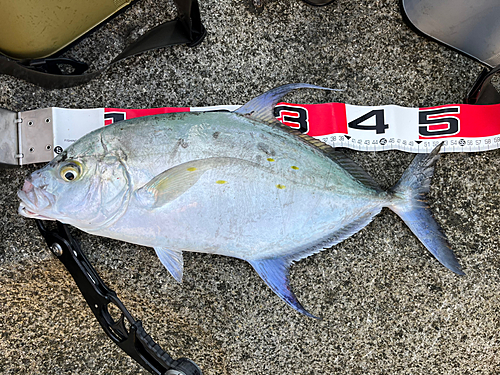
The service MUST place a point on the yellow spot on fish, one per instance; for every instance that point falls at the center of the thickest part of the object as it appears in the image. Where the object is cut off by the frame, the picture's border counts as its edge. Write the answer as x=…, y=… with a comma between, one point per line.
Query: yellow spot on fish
x=221, y=182
x=191, y=169
x=294, y=167
x=279, y=186
x=270, y=159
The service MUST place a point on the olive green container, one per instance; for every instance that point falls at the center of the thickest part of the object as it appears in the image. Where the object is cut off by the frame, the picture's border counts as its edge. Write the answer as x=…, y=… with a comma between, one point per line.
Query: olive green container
x=32, y=29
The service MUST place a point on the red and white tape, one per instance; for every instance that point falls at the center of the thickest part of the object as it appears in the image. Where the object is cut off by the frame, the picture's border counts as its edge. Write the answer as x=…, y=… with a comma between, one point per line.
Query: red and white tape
x=462, y=127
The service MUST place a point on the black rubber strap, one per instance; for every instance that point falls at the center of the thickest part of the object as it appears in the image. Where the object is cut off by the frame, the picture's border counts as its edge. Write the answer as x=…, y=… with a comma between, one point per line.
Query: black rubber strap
x=125, y=331
x=185, y=29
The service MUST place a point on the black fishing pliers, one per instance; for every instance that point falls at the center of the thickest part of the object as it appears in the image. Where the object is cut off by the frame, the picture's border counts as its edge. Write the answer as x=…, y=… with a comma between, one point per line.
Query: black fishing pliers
x=126, y=332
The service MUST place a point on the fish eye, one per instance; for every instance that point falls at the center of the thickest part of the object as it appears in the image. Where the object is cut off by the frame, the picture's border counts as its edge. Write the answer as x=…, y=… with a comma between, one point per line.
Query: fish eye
x=71, y=172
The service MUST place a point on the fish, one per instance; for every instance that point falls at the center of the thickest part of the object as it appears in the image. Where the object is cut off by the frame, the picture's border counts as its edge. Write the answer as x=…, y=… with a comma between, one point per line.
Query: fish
x=237, y=184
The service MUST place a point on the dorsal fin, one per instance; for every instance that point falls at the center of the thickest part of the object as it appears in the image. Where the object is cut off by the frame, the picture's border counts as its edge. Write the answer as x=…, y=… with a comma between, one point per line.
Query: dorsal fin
x=261, y=108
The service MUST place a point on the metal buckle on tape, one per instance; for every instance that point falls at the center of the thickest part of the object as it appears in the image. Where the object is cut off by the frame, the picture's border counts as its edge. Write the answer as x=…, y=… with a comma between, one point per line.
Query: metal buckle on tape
x=36, y=136
x=26, y=137
x=9, y=140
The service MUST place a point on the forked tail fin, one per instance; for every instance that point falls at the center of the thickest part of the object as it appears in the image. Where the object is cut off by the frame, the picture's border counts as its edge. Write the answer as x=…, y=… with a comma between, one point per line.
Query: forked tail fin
x=412, y=207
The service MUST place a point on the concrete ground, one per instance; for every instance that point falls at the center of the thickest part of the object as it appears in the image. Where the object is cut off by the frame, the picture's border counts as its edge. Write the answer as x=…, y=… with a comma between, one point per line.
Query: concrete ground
x=388, y=306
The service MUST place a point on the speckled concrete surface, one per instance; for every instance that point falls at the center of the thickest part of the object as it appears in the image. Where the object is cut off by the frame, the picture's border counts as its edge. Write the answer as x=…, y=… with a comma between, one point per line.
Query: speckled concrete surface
x=388, y=307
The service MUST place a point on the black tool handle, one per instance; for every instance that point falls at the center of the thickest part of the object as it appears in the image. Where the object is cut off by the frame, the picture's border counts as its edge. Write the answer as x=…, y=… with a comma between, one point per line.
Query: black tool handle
x=126, y=332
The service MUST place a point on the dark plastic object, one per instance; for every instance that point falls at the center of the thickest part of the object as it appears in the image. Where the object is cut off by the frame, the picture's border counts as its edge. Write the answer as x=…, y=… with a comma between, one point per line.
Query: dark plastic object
x=483, y=91
x=185, y=29
x=319, y=3
x=126, y=332
x=468, y=26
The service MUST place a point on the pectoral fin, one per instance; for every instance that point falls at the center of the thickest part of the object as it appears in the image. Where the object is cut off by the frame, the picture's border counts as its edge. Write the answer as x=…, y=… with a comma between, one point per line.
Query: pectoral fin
x=172, y=260
x=275, y=273
x=175, y=181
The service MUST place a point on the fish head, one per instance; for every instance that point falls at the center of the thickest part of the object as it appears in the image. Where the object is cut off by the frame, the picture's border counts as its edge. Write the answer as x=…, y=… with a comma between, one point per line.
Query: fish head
x=88, y=189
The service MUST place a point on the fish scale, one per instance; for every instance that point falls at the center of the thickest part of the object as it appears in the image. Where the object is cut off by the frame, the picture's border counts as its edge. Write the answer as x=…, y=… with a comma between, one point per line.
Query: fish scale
x=236, y=184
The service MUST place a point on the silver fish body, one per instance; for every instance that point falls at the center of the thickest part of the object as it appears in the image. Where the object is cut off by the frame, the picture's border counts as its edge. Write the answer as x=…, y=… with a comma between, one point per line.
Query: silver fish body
x=258, y=194
x=233, y=184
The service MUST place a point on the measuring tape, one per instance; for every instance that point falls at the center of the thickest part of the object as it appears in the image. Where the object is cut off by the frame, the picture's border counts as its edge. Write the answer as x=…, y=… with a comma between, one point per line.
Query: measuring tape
x=44, y=133
x=461, y=127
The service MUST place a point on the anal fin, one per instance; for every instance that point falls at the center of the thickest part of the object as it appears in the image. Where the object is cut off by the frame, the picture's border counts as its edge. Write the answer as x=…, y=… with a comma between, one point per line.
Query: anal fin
x=275, y=273
x=336, y=237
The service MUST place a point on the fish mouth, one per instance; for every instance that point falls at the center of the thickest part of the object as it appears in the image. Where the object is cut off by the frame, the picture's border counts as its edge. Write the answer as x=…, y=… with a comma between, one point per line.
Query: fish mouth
x=34, y=200
x=26, y=212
